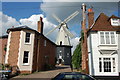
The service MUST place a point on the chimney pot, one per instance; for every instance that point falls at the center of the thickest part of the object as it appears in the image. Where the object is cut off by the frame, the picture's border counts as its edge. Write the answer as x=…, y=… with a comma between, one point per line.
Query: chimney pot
x=90, y=17
x=90, y=10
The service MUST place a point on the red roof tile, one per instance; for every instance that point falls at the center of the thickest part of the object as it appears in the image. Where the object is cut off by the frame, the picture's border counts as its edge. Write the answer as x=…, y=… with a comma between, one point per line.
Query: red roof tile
x=102, y=23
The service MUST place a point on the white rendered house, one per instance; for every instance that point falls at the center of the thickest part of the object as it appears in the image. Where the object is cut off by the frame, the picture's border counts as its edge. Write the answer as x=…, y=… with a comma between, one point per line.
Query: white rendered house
x=104, y=46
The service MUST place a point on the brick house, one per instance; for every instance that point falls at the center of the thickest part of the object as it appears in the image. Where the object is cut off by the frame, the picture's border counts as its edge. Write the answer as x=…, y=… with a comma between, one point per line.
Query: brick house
x=3, y=43
x=103, y=45
x=29, y=49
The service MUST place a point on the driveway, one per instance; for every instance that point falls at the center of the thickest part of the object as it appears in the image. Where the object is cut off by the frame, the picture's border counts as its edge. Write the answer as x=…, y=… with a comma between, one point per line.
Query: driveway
x=44, y=75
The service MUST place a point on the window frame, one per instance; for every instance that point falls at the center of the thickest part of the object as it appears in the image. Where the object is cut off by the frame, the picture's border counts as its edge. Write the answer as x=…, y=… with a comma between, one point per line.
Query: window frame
x=27, y=37
x=115, y=22
x=110, y=39
x=112, y=66
x=27, y=58
x=107, y=65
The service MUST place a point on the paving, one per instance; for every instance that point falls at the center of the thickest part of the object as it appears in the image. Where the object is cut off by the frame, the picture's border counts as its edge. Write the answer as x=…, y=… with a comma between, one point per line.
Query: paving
x=44, y=75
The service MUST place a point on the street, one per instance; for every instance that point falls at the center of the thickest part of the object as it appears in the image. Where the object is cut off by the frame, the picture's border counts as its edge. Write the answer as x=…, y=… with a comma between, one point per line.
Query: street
x=43, y=75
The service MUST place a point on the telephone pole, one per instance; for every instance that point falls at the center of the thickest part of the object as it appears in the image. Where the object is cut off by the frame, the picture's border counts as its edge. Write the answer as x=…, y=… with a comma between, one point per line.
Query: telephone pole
x=84, y=42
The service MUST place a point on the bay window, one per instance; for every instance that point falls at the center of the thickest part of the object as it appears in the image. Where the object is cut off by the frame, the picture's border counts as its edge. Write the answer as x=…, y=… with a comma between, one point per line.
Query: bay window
x=107, y=65
x=107, y=37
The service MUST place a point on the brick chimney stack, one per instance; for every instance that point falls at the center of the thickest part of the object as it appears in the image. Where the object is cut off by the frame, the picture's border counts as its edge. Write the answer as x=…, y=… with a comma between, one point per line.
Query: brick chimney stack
x=40, y=25
x=90, y=17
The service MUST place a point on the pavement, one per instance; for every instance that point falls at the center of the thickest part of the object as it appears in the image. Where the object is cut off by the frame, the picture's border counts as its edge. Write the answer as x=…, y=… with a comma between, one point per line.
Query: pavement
x=43, y=75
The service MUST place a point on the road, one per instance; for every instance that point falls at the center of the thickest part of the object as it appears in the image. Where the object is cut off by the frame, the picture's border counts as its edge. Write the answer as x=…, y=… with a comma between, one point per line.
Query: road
x=44, y=75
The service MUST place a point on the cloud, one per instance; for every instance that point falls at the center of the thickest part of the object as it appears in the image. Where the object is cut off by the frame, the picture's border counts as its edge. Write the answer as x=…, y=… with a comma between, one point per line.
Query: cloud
x=74, y=42
x=6, y=22
x=31, y=22
x=64, y=9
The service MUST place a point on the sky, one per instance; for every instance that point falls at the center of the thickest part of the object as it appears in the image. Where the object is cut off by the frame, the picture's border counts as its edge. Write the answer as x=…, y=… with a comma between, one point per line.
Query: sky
x=28, y=13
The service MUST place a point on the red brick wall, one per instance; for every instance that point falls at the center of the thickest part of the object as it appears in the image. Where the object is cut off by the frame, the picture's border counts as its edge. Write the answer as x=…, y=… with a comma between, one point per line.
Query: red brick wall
x=90, y=19
x=40, y=51
x=25, y=72
x=3, y=44
x=14, y=48
x=34, y=66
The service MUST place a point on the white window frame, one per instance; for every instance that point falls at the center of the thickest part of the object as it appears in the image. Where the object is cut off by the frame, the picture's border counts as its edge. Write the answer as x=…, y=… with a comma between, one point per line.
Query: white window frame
x=105, y=37
x=113, y=66
x=28, y=58
x=29, y=38
x=115, y=22
x=106, y=67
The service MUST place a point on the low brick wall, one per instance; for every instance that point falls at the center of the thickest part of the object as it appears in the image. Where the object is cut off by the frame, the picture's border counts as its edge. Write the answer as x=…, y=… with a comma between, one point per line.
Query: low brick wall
x=25, y=72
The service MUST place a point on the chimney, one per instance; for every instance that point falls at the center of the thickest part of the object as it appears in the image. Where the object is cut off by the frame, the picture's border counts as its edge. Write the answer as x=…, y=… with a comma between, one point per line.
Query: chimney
x=90, y=17
x=40, y=25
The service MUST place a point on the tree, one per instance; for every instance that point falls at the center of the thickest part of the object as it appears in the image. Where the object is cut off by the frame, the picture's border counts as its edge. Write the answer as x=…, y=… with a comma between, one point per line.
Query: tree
x=77, y=57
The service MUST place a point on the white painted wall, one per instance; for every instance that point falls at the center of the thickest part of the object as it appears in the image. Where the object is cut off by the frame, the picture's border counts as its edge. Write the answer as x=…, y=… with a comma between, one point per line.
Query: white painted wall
x=94, y=54
x=119, y=52
x=8, y=46
x=26, y=47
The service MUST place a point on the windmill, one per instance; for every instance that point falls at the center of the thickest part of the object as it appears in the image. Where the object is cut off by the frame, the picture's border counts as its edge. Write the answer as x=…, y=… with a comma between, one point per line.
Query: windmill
x=63, y=52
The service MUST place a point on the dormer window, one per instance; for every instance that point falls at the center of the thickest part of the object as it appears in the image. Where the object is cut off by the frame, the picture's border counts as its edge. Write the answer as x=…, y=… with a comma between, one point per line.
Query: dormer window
x=115, y=22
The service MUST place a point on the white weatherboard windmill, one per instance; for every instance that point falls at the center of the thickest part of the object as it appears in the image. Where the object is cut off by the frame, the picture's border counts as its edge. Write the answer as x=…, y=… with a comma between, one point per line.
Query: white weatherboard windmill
x=63, y=52
x=64, y=33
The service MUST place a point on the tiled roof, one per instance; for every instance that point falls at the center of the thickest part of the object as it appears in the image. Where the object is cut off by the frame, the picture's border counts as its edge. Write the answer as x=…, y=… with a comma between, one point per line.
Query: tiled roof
x=20, y=28
x=102, y=23
x=113, y=16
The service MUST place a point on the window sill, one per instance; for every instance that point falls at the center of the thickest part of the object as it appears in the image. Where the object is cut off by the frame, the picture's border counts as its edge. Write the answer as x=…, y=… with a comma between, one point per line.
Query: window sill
x=27, y=43
x=26, y=64
x=107, y=44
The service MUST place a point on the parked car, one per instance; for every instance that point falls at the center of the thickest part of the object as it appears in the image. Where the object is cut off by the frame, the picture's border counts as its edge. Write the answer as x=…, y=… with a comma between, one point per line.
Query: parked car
x=72, y=76
x=4, y=74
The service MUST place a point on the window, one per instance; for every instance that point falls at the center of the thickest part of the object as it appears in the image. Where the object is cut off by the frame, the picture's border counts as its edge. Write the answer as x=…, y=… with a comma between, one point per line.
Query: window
x=115, y=22
x=27, y=37
x=107, y=65
x=45, y=42
x=112, y=38
x=107, y=37
x=113, y=64
x=102, y=37
x=25, y=58
x=100, y=65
